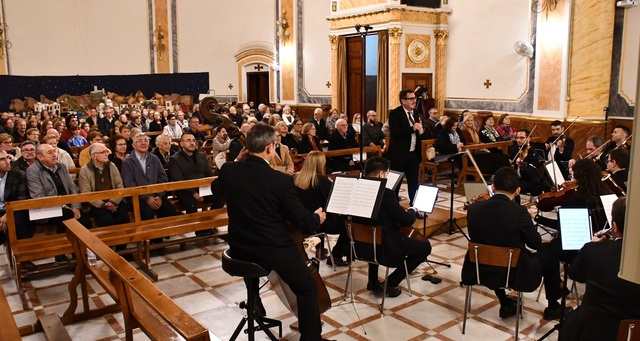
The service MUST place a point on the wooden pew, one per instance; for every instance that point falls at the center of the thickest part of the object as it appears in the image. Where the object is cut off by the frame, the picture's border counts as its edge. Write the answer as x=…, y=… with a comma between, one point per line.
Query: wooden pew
x=143, y=304
x=428, y=164
x=344, y=152
x=47, y=246
x=467, y=165
x=9, y=330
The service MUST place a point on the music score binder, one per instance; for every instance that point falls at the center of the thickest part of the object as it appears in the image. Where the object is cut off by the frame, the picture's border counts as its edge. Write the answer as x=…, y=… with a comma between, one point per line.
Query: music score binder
x=394, y=179
x=359, y=197
x=575, y=227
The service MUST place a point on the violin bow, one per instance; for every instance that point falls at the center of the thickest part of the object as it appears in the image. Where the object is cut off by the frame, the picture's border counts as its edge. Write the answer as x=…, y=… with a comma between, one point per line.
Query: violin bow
x=526, y=142
x=475, y=165
x=553, y=158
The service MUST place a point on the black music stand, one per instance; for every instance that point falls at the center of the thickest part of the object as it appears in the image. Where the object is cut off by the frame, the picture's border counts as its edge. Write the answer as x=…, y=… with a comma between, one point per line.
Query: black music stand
x=451, y=222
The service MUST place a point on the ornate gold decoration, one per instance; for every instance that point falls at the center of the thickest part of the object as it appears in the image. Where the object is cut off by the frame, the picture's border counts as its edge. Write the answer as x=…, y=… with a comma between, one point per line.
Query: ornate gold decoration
x=418, y=51
x=334, y=6
x=161, y=46
x=333, y=39
x=394, y=35
x=390, y=15
x=441, y=36
x=284, y=27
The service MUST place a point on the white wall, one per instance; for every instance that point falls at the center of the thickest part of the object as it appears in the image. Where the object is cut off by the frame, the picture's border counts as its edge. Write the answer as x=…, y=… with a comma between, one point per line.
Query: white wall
x=74, y=37
x=317, y=49
x=630, y=54
x=480, y=47
x=210, y=34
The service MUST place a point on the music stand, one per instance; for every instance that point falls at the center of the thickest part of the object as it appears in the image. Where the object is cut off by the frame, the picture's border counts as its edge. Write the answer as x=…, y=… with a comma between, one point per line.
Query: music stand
x=451, y=222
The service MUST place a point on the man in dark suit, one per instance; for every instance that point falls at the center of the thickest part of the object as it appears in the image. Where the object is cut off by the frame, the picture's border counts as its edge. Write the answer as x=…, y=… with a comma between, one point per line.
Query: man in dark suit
x=107, y=123
x=608, y=299
x=395, y=247
x=563, y=148
x=405, y=150
x=259, y=208
x=321, y=125
x=499, y=221
x=342, y=138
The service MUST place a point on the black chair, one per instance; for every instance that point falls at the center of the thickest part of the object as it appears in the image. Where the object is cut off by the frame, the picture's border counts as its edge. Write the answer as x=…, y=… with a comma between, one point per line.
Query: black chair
x=238, y=268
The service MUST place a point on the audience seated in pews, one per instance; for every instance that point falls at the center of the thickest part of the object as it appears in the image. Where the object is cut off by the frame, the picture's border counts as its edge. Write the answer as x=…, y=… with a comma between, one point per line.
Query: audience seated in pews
x=125, y=132
x=192, y=129
x=98, y=175
x=220, y=146
x=33, y=135
x=6, y=144
x=107, y=123
x=504, y=127
x=94, y=137
x=163, y=149
x=76, y=139
x=468, y=129
x=71, y=120
x=189, y=164
x=282, y=159
x=310, y=142
x=63, y=156
x=172, y=129
x=118, y=146
x=342, y=138
x=320, y=124
x=13, y=186
x=143, y=168
x=59, y=144
x=27, y=156
x=372, y=134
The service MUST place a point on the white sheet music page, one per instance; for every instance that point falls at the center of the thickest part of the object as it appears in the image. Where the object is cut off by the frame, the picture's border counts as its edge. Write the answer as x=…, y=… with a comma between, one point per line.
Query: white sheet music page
x=607, y=204
x=575, y=227
x=364, y=197
x=392, y=178
x=341, y=195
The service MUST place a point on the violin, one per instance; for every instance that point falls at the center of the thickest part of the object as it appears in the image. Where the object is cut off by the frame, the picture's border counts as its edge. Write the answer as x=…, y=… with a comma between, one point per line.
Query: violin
x=546, y=202
x=477, y=198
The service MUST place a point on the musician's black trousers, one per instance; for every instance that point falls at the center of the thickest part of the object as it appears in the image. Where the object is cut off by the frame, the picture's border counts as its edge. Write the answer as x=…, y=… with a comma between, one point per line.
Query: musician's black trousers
x=303, y=285
x=416, y=250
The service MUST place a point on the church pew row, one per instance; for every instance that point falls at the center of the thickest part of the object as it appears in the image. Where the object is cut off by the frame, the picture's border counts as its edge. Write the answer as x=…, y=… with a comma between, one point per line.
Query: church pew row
x=47, y=246
x=143, y=305
x=9, y=330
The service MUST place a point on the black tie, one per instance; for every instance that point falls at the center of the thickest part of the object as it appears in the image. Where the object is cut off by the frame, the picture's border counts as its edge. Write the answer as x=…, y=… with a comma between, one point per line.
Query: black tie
x=411, y=117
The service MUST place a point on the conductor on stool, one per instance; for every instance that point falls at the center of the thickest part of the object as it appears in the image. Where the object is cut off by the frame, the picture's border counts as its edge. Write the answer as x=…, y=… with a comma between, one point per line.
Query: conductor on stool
x=260, y=201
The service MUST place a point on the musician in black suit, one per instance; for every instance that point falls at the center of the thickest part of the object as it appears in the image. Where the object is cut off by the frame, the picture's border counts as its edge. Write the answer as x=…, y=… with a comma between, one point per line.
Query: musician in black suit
x=617, y=165
x=608, y=299
x=342, y=138
x=405, y=150
x=499, y=221
x=259, y=208
x=395, y=246
x=619, y=138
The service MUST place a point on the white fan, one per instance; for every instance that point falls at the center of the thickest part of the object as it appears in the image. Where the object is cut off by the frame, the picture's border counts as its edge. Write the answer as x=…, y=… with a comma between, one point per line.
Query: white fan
x=523, y=48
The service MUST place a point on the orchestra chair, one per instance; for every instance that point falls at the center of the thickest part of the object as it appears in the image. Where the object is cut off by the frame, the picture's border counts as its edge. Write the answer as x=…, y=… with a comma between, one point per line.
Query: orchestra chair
x=629, y=330
x=574, y=287
x=497, y=256
x=239, y=268
x=366, y=245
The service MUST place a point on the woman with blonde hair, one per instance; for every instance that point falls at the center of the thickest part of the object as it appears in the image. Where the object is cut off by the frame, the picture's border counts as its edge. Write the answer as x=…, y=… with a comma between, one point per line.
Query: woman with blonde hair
x=313, y=188
x=469, y=130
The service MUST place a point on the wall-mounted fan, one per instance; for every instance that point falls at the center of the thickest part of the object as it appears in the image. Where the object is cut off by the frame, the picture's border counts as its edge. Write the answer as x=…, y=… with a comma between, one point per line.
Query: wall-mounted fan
x=523, y=48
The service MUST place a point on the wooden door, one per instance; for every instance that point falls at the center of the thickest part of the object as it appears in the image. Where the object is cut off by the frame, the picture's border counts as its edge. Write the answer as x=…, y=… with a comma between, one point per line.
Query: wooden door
x=412, y=80
x=258, y=87
x=355, y=102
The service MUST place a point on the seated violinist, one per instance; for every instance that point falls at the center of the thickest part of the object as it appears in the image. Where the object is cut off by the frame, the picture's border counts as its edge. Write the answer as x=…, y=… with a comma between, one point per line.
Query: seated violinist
x=526, y=161
x=617, y=164
x=594, y=151
x=619, y=138
x=395, y=246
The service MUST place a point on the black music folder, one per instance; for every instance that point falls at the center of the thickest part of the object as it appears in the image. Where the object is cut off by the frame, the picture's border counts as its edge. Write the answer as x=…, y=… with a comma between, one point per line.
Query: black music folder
x=359, y=197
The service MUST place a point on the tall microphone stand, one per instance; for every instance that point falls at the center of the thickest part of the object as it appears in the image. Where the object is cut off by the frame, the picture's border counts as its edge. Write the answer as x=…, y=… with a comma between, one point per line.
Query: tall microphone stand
x=365, y=30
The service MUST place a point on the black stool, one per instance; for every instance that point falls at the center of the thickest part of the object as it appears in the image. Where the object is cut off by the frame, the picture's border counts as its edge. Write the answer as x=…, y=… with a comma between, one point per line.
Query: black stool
x=244, y=269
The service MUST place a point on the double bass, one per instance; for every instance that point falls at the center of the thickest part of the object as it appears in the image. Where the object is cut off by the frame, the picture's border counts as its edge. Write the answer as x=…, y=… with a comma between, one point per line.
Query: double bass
x=208, y=108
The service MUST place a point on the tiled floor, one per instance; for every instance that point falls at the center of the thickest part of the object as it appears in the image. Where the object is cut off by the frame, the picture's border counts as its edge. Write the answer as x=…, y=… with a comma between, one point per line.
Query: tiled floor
x=195, y=280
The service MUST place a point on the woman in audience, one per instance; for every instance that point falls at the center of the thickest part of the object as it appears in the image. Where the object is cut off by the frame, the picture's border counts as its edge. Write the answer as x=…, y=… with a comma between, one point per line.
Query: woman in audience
x=136, y=122
x=118, y=146
x=310, y=141
x=33, y=123
x=488, y=133
x=450, y=138
x=86, y=126
x=296, y=134
x=6, y=143
x=264, y=110
x=504, y=127
x=59, y=126
x=46, y=125
x=156, y=123
x=355, y=123
x=274, y=119
x=122, y=121
x=172, y=129
x=94, y=137
x=288, y=115
x=283, y=131
x=313, y=188
x=220, y=146
x=163, y=149
x=468, y=129
x=282, y=160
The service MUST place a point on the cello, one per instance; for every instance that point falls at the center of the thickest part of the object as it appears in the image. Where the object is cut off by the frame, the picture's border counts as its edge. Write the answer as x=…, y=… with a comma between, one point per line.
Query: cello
x=284, y=292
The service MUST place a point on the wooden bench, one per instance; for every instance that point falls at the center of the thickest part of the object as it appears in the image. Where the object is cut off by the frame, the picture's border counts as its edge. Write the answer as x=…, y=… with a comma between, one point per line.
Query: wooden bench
x=467, y=165
x=427, y=163
x=139, y=232
x=9, y=330
x=143, y=304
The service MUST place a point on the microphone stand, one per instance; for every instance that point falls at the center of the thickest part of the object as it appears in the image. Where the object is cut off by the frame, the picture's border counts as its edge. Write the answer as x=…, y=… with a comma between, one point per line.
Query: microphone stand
x=363, y=79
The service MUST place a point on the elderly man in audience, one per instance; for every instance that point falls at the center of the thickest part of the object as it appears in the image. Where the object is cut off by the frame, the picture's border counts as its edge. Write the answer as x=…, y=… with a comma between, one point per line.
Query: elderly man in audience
x=20, y=131
x=99, y=175
x=93, y=118
x=94, y=137
x=13, y=186
x=107, y=123
x=194, y=124
x=342, y=138
x=189, y=164
x=63, y=156
x=33, y=135
x=49, y=178
x=143, y=168
x=321, y=125
x=27, y=156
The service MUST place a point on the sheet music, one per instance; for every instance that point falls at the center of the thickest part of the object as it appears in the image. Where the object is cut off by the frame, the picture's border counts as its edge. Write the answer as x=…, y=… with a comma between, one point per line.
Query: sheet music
x=551, y=169
x=393, y=178
x=575, y=226
x=425, y=198
x=341, y=195
x=356, y=157
x=607, y=204
x=45, y=212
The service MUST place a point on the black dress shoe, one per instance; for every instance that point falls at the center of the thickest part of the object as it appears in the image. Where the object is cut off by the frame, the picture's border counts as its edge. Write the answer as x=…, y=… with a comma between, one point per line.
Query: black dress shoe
x=203, y=233
x=338, y=260
x=554, y=313
x=507, y=311
x=391, y=291
x=61, y=259
x=373, y=286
